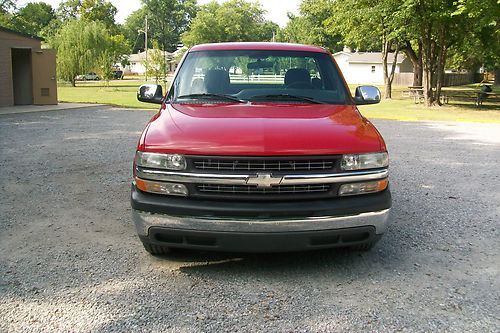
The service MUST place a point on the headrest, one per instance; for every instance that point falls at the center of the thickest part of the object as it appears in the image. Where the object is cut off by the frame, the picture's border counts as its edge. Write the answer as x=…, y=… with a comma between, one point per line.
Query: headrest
x=216, y=81
x=297, y=75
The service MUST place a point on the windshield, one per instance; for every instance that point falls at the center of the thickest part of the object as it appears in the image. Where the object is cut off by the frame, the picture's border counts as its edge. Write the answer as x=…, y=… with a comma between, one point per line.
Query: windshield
x=258, y=76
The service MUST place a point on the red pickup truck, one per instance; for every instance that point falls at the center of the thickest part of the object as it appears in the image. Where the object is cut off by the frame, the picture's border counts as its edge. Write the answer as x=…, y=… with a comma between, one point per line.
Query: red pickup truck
x=259, y=147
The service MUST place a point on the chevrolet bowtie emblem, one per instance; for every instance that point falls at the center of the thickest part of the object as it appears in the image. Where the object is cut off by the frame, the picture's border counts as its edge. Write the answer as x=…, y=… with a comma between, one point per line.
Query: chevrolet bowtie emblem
x=264, y=180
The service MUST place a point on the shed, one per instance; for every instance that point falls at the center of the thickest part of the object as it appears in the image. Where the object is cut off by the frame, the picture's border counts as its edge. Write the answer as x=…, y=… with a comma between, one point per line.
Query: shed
x=367, y=67
x=27, y=72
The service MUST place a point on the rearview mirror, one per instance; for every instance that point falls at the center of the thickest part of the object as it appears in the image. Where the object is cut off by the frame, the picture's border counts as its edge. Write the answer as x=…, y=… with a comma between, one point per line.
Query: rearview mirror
x=367, y=95
x=150, y=93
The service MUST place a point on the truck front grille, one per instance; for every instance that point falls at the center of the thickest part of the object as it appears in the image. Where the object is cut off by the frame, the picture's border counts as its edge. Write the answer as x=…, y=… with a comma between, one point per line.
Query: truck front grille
x=263, y=164
x=252, y=190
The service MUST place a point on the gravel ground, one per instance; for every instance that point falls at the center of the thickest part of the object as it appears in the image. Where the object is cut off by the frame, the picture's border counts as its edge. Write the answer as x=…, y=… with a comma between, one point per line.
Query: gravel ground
x=70, y=259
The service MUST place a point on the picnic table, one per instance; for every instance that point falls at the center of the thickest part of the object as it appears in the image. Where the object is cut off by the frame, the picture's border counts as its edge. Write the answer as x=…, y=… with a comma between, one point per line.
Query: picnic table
x=417, y=92
x=469, y=95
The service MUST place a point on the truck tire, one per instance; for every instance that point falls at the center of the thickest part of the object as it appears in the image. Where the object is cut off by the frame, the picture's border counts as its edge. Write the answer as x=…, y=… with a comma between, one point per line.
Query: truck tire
x=155, y=249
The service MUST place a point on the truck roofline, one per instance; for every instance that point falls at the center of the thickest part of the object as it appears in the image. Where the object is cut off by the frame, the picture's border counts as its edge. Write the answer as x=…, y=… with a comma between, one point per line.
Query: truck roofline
x=257, y=46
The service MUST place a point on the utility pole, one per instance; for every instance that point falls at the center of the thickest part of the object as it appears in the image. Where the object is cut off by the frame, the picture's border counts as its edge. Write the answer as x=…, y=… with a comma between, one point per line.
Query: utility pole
x=146, y=46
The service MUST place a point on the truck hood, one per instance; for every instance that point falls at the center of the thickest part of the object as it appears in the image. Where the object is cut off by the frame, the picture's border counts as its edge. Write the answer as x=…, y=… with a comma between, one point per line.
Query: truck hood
x=261, y=130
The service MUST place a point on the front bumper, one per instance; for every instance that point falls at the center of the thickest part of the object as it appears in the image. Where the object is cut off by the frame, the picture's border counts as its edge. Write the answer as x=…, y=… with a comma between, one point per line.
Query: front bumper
x=260, y=235
x=244, y=227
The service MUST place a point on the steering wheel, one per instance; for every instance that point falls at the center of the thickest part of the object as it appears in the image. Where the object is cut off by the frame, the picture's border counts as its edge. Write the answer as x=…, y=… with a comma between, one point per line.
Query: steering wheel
x=300, y=85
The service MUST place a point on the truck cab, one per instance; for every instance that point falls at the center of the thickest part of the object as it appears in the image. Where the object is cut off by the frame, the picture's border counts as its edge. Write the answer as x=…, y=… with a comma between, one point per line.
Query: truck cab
x=259, y=147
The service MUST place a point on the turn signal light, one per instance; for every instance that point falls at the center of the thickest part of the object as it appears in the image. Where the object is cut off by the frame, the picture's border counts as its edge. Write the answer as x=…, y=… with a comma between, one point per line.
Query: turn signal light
x=161, y=187
x=363, y=188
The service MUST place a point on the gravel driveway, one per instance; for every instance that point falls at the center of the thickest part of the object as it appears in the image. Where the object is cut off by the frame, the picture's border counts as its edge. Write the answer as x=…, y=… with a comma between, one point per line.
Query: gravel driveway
x=70, y=259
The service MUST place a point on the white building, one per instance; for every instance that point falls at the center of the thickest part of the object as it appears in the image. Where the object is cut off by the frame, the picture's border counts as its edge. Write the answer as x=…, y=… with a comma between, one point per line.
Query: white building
x=367, y=68
x=137, y=62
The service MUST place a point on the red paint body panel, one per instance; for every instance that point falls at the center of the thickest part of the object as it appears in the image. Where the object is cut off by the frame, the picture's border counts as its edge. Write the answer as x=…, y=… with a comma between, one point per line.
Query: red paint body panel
x=257, y=46
x=259, y=129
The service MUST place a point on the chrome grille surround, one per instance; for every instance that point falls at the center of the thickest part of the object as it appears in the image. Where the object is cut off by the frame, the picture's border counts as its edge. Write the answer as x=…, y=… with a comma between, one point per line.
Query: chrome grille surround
x=262, y=178
x=242, y=179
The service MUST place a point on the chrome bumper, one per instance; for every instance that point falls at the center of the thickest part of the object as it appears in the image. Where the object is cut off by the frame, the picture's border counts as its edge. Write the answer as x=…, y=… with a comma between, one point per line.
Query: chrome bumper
x=143, y=221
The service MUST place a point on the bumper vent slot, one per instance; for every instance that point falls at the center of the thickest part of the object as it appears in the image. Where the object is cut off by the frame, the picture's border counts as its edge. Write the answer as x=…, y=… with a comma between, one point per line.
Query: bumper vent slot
x=246, y=189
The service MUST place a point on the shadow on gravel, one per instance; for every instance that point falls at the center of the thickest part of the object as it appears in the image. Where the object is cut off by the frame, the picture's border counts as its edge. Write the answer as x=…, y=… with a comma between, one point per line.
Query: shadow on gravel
x=339, y=262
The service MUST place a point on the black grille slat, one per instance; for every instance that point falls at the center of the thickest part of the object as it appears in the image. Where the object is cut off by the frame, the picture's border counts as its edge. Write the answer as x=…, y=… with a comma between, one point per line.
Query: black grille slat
x=247, y=189
x=262, y=165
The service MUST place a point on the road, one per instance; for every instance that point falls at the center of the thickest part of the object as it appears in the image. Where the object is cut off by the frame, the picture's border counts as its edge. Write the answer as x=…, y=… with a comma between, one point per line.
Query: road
x=70, y=259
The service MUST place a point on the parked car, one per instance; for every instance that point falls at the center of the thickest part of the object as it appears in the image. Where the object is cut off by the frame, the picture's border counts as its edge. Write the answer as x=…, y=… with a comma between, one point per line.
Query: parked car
x=259, y=163
x=88, y=77
x=117, y=74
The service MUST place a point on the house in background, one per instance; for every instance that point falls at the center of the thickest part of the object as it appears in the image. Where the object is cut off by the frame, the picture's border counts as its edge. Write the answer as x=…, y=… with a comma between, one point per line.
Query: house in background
x=27, y=72
x=137, y=62
x=367, y=68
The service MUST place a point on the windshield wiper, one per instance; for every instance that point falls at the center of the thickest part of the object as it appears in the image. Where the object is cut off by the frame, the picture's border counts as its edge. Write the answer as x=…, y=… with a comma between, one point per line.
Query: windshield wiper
x=212, y=96
x=288, y=96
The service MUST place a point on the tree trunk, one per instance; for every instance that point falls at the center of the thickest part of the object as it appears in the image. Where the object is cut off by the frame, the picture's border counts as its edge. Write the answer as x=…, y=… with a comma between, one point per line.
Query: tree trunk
x=385, y=53
x=73, y=82
x=390, y=76
x=428, y=62
x=416, y=60
x=497, y=76
x=441, y=60
x=418, y=71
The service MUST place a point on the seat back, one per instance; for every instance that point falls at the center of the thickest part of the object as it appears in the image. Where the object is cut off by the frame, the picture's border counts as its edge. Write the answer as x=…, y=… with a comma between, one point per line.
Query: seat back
x=217, y=81
x=198, y=86
x=295, y=75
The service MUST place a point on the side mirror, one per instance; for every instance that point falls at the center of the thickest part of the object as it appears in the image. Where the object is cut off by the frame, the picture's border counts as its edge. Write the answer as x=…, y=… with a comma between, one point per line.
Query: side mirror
x=150, y=93
x=367, y=95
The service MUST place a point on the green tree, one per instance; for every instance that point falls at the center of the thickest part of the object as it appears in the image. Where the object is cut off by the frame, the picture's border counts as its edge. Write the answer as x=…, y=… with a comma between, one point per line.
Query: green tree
x=6, y=16
x=481, y=47
x=131, y=27
x=232, y=21
x=99, y=10
x=157, y=61
x=90, y=10
x=33, y=18
x=68, y=9
x=362, y=21
x=7, y=6
x=168, y=27
x=313, y=24
x=83, y=46
x=173, y=20
x=113, y=51
x=298, y=30
x=435, y=29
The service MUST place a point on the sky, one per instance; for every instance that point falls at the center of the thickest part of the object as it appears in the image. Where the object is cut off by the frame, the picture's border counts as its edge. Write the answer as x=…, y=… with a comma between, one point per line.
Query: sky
x=276, y=9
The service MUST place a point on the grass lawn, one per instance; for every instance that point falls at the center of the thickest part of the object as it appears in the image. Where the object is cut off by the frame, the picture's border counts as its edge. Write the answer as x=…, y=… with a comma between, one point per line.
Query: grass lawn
x=404, y=108
x=118, y=93
x=123, y=93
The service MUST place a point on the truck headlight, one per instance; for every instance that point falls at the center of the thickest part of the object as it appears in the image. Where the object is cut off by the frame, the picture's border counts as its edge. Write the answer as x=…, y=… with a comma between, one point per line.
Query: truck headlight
x=363, y=188
x=364, y=161
x=160, y=161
